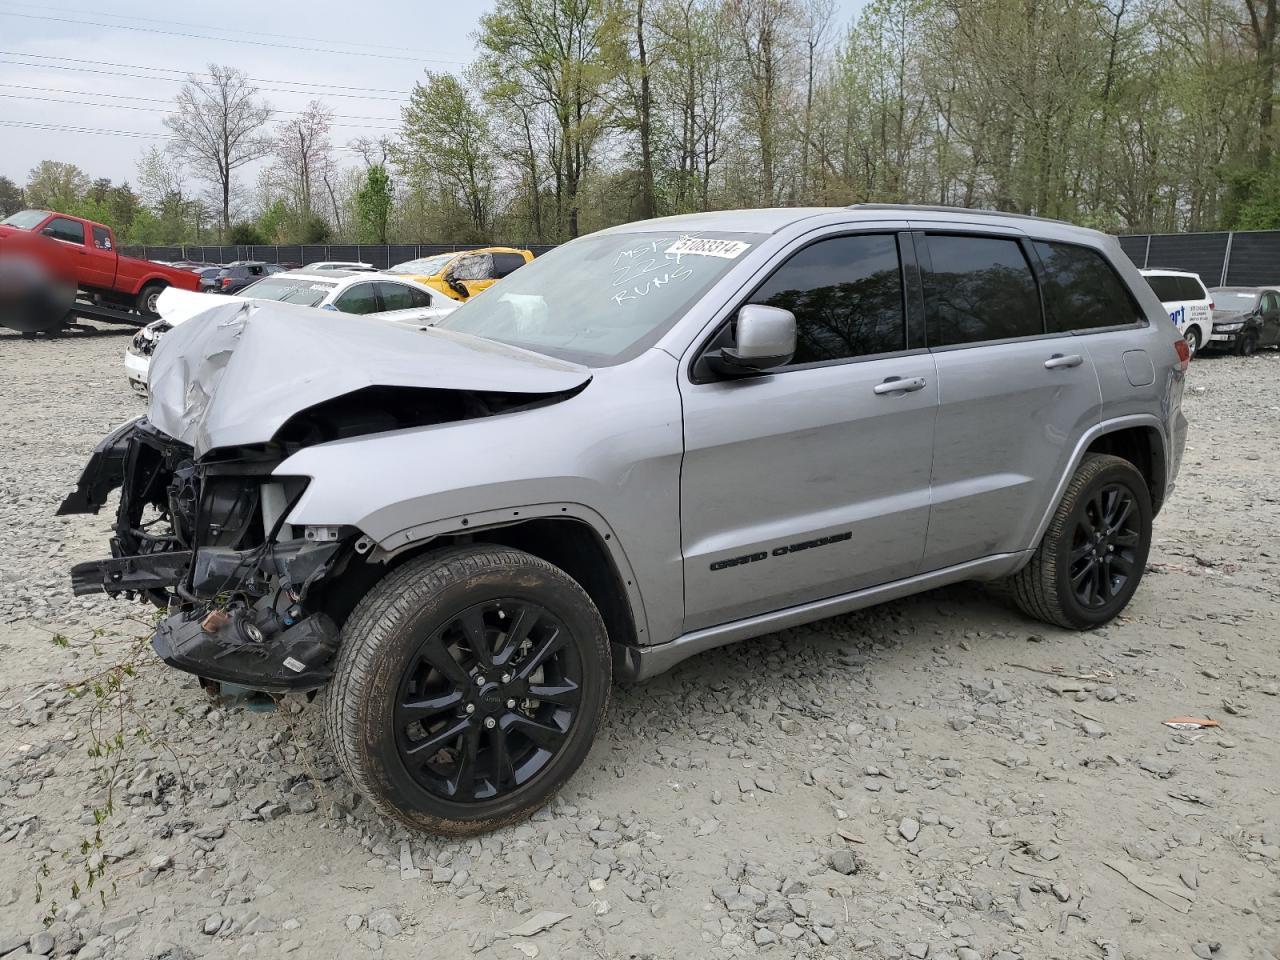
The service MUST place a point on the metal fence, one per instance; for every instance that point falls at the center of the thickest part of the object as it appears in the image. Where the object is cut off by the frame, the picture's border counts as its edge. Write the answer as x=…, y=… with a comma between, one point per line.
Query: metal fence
x=1243, y=258
x=1239, y=258
x=379, y=255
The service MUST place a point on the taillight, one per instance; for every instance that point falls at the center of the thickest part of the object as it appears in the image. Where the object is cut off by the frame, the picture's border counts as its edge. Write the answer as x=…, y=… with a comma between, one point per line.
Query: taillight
x=226, y=282
x=1184, y=354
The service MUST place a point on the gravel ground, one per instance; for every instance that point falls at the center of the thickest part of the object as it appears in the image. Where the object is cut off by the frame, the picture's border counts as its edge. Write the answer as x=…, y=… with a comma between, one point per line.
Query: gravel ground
x=937, y=777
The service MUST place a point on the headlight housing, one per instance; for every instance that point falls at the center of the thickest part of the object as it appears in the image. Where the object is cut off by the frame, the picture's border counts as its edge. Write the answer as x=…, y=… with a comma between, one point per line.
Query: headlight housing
x=1228, y=327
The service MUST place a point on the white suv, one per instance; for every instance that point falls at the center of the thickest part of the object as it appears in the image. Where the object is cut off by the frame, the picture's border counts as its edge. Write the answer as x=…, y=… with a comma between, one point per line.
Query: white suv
x=1189, y=305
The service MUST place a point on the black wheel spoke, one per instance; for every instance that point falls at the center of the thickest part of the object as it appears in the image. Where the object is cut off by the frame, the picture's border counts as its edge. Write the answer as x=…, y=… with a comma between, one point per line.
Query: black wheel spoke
x=503, y=773
x=545, y=735
x=472, y=623
x=424, y=708
x=566, y=693
x=1079, y=576
x=1120, y=515
x=1104, y=581
x=525, y=619
x=437, y=655
x=541, y=651
x=1080, y=552
x=1127, y=538
x=445, y=737
x=462, y=785
x=1122, y=564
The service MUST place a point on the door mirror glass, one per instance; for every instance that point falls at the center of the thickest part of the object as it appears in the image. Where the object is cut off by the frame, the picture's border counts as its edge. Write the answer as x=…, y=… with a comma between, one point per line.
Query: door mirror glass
x=764, y=338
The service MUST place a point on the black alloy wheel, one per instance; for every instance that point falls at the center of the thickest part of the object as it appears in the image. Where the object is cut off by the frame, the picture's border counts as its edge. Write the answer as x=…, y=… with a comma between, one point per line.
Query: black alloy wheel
x=1104, y=546
x=488, y=700
x=468, y=688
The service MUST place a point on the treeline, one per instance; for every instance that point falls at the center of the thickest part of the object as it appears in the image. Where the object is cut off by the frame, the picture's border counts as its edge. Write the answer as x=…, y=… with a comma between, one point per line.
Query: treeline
x=1126, y=115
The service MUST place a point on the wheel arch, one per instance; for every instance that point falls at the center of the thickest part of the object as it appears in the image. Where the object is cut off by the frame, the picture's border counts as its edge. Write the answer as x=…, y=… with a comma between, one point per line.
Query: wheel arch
x=569, y=536
x=1139, y=438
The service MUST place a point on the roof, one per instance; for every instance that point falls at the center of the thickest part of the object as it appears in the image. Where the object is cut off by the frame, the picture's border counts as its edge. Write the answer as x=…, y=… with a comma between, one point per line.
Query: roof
x=1168, y=272
x=773, y=219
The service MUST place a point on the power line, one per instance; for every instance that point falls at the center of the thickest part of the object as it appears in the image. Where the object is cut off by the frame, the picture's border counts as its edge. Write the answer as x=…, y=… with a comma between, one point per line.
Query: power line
x=170, y=109
x=205, y=26
x=134, y=76
x=327, y=88
x=242, y=40
x=68, y=128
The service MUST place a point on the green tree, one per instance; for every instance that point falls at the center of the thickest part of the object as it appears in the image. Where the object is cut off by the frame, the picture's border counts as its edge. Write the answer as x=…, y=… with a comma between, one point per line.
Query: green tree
x=52, y=185
x=373, y=205
x=448, y=147
x=10, y=197
x=246, y=235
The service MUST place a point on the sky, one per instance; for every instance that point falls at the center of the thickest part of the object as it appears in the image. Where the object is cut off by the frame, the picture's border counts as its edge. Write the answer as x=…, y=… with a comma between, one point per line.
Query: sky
x=91, y=88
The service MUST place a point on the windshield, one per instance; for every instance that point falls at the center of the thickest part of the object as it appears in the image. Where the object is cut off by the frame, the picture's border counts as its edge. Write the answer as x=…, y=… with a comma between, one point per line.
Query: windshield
x=308, y=293
x=426, y=267
x=25, y=219
x=604, y=298
x=1234, y=301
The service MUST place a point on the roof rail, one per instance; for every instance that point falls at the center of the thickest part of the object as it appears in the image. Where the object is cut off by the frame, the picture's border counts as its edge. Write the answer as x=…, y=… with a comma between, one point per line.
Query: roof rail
x=967, y=211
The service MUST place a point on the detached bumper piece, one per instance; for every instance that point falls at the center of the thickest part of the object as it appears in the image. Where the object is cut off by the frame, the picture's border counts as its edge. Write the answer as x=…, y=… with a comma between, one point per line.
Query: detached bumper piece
x=103, y=473
x=257, y=647
x=157, y=571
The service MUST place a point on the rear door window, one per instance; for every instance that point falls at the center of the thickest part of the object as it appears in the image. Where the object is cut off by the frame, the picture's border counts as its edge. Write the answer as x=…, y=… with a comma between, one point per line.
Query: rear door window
x=362, y=298
x=395, y=296
x=979, y=288
x=1081, y=289
x=846, y=294
x=70, y=231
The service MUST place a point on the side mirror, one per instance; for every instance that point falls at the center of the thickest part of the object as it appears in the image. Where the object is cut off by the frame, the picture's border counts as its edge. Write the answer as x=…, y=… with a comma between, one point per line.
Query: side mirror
x=764, y=338
x=330, y=306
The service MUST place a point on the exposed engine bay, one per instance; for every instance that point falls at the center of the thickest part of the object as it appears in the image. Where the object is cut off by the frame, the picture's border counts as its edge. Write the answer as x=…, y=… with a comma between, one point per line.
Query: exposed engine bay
x=248, y=594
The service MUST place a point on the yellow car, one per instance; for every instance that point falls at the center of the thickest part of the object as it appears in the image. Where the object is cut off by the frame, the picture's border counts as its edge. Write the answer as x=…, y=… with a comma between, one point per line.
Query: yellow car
x=463, y=274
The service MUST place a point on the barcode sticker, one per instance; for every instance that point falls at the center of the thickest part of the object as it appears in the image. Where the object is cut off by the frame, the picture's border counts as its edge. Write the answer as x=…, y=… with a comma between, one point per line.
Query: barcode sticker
x=705, y=247
x=297, y=666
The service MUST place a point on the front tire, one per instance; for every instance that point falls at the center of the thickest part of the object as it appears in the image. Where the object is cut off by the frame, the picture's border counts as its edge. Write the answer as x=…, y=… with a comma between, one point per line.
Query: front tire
x=1248, y=345
x=468, y=688
x=1092, y=557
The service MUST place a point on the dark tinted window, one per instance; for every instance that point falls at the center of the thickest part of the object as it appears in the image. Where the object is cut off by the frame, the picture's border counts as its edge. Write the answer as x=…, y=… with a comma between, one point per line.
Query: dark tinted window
x=1270, y=304
x=102, y=238
x=504, y=263
x=399, y=296
x=362, y=298
x=1173, y=289
x=71, y=231
x=979, y=288
x=1081, y=290
x=846, y=293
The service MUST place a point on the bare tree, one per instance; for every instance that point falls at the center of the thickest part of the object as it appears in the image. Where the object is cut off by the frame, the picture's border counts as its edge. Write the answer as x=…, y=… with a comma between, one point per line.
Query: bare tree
x=217, y=127
x=303, y=156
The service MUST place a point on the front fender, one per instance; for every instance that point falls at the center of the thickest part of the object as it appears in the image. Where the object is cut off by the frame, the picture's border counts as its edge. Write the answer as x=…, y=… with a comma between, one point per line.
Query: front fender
x=608, y=456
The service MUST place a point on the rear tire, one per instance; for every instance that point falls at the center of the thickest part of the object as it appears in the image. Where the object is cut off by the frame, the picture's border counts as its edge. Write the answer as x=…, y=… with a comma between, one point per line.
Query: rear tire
x=468, y=688
x=147, y=297
x=1092, y=557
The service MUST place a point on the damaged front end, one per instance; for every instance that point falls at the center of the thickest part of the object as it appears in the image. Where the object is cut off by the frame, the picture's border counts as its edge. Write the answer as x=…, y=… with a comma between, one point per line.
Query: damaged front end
x=208, y=542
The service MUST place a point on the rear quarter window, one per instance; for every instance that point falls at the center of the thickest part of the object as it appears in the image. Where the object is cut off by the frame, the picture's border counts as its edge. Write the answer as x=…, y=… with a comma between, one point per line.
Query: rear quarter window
x=1081, y=290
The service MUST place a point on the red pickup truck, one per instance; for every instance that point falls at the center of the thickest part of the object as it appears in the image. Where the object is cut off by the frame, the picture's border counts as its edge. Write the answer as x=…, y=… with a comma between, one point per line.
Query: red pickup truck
x=84, y=252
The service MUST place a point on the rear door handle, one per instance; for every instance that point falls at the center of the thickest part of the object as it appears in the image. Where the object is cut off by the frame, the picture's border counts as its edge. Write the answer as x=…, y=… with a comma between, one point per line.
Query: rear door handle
x=1058, y=360
x=898, y=385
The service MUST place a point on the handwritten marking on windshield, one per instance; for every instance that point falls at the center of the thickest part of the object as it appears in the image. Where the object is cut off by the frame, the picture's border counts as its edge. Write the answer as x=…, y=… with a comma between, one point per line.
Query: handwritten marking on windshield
x=644, y=268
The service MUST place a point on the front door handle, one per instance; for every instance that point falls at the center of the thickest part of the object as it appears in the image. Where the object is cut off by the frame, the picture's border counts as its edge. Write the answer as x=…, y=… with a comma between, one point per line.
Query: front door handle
x=1058, y=360
x=898, y=385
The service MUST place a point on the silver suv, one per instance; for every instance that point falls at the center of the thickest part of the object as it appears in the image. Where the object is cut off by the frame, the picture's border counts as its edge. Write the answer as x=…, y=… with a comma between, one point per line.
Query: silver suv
x=654, y=440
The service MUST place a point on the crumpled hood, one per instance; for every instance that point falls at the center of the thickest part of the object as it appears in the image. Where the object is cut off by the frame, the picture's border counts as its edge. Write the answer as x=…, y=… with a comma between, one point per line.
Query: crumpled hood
x=178, y=306
x=1221, y=314
x=237, y=371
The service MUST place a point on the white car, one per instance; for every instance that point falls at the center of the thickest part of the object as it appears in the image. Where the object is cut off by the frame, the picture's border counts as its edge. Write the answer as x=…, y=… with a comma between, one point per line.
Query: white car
x=397, y=300
x=1188, y=302
x=340, y=265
